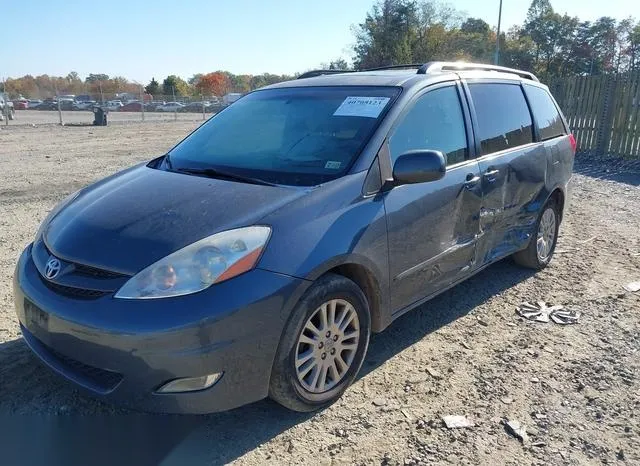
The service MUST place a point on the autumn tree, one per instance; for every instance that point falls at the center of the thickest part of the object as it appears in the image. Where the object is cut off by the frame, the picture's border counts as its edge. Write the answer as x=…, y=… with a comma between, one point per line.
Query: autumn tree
x=217, y=84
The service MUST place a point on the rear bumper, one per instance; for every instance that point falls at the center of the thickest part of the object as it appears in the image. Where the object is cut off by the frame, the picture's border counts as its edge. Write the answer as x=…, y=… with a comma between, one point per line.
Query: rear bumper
x=124, y=350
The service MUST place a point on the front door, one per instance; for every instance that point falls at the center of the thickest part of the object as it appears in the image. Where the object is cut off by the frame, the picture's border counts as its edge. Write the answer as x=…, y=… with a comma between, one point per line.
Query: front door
x=432, y=227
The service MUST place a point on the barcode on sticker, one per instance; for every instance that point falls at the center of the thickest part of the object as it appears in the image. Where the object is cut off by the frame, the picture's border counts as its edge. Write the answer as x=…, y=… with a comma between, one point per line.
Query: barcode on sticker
x=369, y=107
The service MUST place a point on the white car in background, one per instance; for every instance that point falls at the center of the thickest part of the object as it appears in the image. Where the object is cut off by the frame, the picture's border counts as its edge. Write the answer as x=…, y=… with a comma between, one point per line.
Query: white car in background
x=112, y=105
x=170, y=107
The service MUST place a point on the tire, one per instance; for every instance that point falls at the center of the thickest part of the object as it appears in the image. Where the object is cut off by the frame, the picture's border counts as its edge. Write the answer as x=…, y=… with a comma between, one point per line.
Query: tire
x=12, y=114
x=286, y=386
x=531, y=257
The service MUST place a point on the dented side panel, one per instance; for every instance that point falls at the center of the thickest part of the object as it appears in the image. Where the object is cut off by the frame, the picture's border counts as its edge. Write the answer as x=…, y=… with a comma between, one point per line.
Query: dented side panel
x=514, y=187
x=432, y=229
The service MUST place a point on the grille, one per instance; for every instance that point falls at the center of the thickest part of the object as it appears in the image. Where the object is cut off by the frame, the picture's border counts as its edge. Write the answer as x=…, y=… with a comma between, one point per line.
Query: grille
x=72, y=292
x=103, y=379
x=97, y=273
x=89, y=271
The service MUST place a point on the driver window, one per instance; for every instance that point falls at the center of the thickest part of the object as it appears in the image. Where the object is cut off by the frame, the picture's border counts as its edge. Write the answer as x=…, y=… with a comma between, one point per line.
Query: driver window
x=435, y=122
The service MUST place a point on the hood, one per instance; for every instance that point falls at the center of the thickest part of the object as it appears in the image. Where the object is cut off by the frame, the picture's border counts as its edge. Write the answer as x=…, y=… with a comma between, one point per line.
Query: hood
x=134, y=218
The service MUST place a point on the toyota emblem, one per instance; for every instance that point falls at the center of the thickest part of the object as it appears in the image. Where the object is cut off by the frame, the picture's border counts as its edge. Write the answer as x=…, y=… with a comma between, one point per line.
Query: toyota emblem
x=52, y=268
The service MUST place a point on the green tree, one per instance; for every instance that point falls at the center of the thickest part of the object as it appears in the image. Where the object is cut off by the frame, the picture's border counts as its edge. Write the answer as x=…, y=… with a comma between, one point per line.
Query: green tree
x=633, y=49
x=388, y=34
x=174, y=84
x=193, y=80
x=96, y=77
x=153, y=87
x=475, y=26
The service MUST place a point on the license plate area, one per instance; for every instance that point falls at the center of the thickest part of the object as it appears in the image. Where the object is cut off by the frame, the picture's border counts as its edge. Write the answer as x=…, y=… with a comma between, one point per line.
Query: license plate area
x=35, y=318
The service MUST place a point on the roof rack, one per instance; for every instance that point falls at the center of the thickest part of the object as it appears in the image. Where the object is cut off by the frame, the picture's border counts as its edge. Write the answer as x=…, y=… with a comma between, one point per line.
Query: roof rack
x=431, y=67
x=394, y=67
x=462, y=66
x=314, y=73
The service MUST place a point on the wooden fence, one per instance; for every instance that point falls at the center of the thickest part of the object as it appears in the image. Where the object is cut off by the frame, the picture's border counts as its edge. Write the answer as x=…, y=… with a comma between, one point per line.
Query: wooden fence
x=603, y=112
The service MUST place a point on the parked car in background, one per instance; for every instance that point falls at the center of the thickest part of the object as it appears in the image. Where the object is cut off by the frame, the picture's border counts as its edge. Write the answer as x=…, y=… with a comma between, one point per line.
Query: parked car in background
x=84, y=104
x=263, y=250
x=153, y=105
x=131, y=107
x=230, y=98
x=48, y=104
x=6, y=108
x=21, y=104
x=66, y=104
x=34, y=103
x=196, y=107
x=112, y=105
x=170, y=107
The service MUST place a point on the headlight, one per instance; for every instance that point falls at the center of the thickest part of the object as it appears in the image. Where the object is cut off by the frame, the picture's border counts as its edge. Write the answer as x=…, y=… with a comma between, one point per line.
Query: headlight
x=61, y=205
x=198, y=266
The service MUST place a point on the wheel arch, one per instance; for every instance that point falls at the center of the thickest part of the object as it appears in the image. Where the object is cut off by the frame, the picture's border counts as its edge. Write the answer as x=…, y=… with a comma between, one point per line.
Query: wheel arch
x=363, y=273
x=559, y=195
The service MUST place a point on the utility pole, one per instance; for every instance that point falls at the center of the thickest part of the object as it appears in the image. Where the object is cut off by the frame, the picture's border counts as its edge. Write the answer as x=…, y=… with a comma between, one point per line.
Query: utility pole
x=142, y=101
x=59, y=105
x=496, y=60
x=175, y=112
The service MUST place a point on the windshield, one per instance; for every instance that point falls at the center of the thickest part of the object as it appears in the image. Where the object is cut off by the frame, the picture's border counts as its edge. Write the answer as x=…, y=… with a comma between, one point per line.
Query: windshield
x=293, y=136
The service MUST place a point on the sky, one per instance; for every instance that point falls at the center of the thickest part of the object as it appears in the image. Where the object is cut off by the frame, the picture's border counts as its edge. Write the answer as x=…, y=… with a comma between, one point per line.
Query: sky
x=154, y=38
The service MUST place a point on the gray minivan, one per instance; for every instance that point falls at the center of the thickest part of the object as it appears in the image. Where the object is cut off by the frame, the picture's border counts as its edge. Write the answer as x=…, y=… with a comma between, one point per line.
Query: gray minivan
x=255, y=258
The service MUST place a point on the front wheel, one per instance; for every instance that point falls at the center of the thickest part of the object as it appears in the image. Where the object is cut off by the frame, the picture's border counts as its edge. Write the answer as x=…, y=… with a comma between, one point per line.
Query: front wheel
x=323, y=345
x=12, y=114
x=541, y=247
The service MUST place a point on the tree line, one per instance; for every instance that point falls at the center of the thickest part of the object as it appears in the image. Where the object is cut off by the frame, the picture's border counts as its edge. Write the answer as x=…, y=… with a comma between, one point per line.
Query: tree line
x=548, y=43
x=409, y=31
x=218, y=83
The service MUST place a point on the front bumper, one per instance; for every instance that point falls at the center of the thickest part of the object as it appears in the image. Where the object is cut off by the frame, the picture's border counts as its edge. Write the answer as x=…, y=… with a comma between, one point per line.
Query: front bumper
x=124, y=350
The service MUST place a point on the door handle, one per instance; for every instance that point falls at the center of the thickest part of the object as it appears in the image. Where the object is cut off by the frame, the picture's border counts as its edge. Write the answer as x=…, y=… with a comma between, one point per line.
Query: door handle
x=471, y=180
x=491, y=172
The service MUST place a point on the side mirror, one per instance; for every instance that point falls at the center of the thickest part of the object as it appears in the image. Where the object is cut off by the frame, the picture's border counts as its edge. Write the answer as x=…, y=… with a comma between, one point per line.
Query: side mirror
x=419, y=166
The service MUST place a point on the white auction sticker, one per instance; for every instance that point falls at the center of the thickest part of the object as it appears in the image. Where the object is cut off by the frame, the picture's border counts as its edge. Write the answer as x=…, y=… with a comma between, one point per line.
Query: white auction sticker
x=369, y=107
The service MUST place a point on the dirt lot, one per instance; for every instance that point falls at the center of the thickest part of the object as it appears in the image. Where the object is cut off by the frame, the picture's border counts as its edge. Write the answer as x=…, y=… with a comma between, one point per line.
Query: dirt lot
x=575, y=388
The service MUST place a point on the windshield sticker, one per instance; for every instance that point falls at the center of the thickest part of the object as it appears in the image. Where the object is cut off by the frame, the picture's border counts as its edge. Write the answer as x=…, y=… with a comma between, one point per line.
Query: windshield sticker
x=333, y=165
x=369, y=107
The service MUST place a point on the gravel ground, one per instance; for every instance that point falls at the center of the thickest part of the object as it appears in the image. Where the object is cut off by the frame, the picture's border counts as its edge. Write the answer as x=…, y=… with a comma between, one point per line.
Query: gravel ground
x=576, y=389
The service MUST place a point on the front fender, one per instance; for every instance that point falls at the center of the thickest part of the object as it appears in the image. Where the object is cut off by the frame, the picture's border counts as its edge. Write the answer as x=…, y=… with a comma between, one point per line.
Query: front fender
x=332, y=226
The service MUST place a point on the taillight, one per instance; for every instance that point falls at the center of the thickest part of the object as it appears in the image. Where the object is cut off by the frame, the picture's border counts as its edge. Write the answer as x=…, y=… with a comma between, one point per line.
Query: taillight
x=574, y=144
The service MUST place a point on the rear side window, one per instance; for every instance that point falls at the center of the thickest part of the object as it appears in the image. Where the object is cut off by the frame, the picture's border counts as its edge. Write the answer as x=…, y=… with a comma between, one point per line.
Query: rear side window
x=545, y=112
x=503, y=116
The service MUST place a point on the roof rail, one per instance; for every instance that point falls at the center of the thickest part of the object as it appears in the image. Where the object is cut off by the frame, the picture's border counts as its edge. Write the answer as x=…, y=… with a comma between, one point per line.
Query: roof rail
x=314, y=73
x=435, y=66
x=394, y=67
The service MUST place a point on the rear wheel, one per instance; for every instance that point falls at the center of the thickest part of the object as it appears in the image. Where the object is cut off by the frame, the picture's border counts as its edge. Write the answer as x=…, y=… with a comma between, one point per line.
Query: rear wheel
x=541, y=247
x=323, y=345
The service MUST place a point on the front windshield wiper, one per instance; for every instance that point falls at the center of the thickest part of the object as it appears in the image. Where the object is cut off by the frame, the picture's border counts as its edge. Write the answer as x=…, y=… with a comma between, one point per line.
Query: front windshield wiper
x=215, y=173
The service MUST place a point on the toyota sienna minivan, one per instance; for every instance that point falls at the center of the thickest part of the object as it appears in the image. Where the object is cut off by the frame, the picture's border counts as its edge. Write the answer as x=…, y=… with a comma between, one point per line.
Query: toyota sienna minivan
x=256, y=257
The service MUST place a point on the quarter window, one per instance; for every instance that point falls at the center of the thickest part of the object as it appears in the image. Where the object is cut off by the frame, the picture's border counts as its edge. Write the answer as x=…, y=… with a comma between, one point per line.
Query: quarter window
x=434, y=123
x=545, y=112
x=504, y=121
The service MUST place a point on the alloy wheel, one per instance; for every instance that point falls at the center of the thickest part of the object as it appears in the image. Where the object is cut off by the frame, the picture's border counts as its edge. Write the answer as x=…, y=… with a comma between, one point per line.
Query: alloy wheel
x=546, y=234
x=327, y=346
